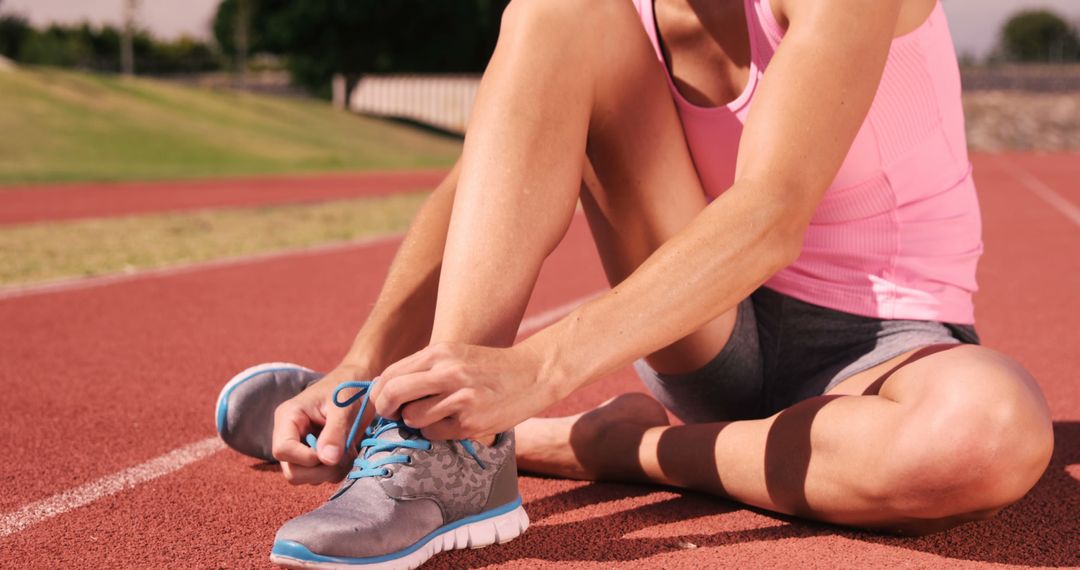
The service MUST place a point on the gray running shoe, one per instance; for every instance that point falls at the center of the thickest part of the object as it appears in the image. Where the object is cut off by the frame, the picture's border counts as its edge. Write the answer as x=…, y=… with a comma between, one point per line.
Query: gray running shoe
x=406, y=500
x=245, y=407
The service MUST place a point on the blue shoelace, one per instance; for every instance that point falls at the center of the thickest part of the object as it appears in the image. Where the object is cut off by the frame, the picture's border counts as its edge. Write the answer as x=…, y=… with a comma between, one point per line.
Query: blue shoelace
x=364, y=465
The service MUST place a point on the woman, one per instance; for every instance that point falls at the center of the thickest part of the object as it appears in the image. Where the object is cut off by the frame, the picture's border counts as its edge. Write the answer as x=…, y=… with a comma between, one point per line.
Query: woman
x=781, y=197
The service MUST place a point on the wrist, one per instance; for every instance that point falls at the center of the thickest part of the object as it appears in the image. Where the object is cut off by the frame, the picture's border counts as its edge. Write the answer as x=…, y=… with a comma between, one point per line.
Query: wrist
x=366, y=356
x=553, y=379
x=360, y=365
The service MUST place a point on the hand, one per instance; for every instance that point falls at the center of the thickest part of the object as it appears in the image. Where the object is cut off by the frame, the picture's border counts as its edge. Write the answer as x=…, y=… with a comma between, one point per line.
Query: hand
x=459, y=391
x=299, y=416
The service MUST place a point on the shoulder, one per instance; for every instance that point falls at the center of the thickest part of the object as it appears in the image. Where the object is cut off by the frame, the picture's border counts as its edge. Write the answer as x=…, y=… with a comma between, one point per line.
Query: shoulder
x=903, y=14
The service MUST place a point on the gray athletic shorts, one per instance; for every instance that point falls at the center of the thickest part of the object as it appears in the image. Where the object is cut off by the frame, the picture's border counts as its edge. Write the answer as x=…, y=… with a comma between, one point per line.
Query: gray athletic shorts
x=783, y=351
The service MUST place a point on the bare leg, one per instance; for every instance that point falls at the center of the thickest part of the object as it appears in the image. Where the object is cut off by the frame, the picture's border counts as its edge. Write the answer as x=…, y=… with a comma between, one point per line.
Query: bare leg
x=520, y=169
x=952, y=436
x=919, y=444
x=555, y=95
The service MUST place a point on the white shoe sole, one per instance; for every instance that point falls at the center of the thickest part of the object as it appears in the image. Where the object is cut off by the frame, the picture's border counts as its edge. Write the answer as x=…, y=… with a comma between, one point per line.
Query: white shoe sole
x=496, y=529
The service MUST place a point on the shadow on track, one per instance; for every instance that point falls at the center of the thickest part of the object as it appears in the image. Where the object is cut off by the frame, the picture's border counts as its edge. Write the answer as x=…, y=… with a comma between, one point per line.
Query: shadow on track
x=1040, y=530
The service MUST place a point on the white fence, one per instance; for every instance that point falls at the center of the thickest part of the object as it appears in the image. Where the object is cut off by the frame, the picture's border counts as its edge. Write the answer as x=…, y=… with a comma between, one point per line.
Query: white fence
x=443, y=101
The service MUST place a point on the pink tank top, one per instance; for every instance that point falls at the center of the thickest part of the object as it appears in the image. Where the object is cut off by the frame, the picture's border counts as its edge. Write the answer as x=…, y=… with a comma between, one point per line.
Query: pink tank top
x=898, y=233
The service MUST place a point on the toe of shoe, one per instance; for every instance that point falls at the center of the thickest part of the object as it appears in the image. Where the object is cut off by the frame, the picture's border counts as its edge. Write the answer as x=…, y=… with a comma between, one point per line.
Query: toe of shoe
x=292, y=550
x=362, y=523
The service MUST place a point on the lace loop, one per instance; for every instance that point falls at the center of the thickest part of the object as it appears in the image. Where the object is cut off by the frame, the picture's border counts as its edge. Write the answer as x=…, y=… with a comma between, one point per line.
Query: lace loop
x=363, y=393
x=364, y=465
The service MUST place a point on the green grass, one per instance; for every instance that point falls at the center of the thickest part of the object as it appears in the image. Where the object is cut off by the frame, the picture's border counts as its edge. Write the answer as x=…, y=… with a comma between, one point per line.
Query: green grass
x=70, y=126
x=53, y=250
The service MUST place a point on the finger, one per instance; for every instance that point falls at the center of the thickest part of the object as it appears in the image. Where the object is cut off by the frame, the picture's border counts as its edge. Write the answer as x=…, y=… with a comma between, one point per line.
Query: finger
x=333, y=441
x=420, y=414
x=300, y=475
x=417, y=362
x=404, y=389
x=290, y=424
x=330, y=447
x=443, y=430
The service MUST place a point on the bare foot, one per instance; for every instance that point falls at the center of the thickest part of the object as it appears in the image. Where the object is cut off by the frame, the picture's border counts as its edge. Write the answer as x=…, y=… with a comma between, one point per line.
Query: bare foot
x=602, y=441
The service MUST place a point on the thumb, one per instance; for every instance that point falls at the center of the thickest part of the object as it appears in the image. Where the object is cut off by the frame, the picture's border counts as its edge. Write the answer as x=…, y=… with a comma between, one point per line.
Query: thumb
x=331, y=444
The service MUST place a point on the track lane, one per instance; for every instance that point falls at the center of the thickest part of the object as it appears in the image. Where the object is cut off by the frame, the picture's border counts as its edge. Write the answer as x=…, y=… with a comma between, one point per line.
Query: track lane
x=38, y=203
x=1057, y=169
x=112, y=376
x=1028, y=306
x=222, y=512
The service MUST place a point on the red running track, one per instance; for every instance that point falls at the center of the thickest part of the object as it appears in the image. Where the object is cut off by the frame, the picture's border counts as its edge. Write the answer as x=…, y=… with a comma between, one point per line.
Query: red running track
x=26, y=204
x=101, y=379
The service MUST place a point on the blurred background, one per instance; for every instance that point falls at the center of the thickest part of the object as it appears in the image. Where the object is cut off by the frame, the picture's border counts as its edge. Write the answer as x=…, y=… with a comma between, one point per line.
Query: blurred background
x=188, y=187
x=350, y=110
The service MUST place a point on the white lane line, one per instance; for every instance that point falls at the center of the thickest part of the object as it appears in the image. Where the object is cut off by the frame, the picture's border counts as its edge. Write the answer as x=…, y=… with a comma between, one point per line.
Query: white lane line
x=109, y=485
x=77, y=283
x=177, y=459
x=1040, y=189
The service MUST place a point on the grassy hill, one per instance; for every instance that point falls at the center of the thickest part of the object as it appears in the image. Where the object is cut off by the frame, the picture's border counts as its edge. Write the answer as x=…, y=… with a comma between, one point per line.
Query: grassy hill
x=64, y=126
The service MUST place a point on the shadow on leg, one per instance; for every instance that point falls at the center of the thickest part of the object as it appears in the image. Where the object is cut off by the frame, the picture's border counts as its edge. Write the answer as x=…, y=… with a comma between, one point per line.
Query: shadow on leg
x=954, y=434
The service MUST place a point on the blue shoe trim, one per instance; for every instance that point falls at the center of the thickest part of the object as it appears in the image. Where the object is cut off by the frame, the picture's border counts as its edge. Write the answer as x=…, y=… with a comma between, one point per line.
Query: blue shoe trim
x=296, y=551
x=223, y=402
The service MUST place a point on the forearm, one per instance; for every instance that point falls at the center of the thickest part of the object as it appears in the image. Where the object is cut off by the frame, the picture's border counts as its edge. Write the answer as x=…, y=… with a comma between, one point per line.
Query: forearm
x=835, y=49
x=732, y=247
x=400, y=321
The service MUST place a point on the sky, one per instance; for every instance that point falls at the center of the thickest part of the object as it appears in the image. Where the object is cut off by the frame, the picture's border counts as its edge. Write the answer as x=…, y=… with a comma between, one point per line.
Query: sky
x=974, y=23
x=164, y=18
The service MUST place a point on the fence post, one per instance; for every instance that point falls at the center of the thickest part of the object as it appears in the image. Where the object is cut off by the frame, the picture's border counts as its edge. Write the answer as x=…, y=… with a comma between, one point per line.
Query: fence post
x=339, y=92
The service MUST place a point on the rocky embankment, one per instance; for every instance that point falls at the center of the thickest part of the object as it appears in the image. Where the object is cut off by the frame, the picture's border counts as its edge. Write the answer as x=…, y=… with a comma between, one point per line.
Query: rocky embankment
x=1022, y=120
x=1023, y=107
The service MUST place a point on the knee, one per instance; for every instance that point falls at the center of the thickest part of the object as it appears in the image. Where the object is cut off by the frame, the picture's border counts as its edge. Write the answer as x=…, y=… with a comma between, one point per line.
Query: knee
x=551, y=17
x=978, y=441
x=547, y=16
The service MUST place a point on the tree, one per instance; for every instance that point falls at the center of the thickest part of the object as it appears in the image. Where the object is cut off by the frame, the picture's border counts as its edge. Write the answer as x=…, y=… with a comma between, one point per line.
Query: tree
x=319, y=38
x=14, y=31
x=1039, y=35
x=95, y=48
x=259, y=14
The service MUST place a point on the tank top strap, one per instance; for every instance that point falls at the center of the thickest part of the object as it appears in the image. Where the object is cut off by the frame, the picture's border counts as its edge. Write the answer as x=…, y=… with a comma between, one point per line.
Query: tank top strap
x=763, y=24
